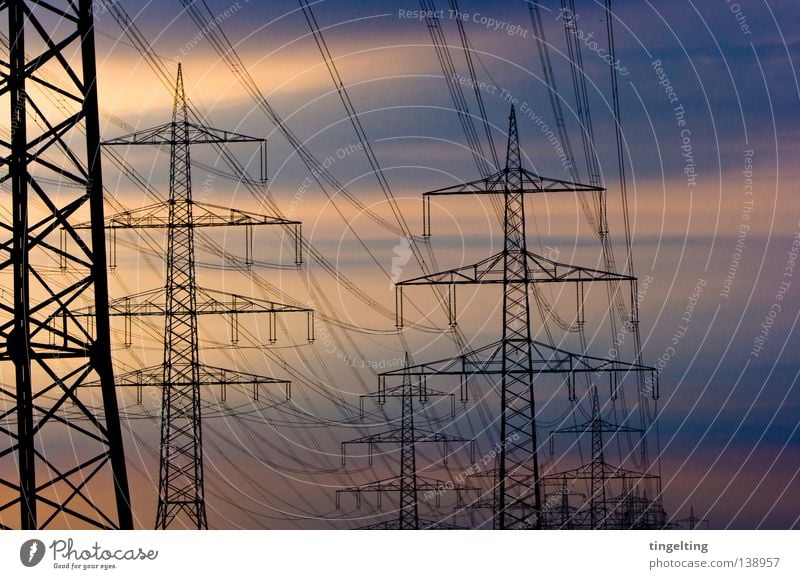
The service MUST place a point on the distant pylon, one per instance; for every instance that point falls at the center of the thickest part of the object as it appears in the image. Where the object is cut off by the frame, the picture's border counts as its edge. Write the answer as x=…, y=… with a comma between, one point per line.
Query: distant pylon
x=56, y=181
x=516, y=358
x=692, y=522
x=181, y=497
x=603, y=511
x=408, y=485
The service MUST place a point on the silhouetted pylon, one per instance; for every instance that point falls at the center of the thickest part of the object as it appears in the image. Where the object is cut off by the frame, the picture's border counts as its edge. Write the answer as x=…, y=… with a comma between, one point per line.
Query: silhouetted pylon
x=516, y=358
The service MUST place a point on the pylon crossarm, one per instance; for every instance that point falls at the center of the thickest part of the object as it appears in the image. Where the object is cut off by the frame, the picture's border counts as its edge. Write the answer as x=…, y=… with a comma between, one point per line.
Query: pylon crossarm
x=425, y=524
x=489, y=268
x=156, y=216
x=160, y=134
x=163, y=135
x=498, y=183
x=396, y=437
x=432, y=484
x=584, y=472
x=417, y=391
x=209, y=376
x=491, y=473
x=394, y=485
x=153, y=303
x=153, y=376
x=210, y=135
x=148, y=303
x=490, y=504
x=217, y=214
x=214, y=376
x=540, y=270
x=548, y=359
x=596, y=425
x=225, y=302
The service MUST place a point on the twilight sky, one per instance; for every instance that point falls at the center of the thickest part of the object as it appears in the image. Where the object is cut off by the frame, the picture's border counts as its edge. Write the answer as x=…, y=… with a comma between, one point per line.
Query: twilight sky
x=709, y=86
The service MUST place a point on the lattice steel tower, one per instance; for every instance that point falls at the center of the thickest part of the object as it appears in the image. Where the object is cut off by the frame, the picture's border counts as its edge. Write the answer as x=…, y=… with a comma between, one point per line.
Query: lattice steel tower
x=692, y=522
x=52, y=160
x=617, y=496
x=408, y=484
x=516, y=359
x=181, y=498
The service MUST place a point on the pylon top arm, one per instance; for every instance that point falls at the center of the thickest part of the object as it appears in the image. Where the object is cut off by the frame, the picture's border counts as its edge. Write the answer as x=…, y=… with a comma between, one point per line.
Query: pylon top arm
x=498, y=184
x=197, y=135
x=540, y=270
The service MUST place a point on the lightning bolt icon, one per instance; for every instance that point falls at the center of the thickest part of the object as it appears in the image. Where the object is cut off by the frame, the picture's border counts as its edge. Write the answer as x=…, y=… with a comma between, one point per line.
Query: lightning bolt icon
x=32, y=552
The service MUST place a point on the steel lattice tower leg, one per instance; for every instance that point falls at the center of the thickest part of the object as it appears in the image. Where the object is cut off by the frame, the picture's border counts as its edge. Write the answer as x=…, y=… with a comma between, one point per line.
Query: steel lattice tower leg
x=597, y=502
x=181, y=465
x=565, y=511
x=409, y=516
x=519, y=504
x=56, y=355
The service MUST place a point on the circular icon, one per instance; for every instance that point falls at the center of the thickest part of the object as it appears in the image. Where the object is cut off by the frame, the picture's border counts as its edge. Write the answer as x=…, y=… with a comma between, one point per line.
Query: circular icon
x=32, y=552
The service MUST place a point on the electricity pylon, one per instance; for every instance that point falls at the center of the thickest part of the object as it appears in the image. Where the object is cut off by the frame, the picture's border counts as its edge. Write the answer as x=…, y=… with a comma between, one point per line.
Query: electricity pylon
x=604, y=509
x=692, y=522
x=53, y=162
x=516, y=358
x=181, y=499
x=409, y=484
